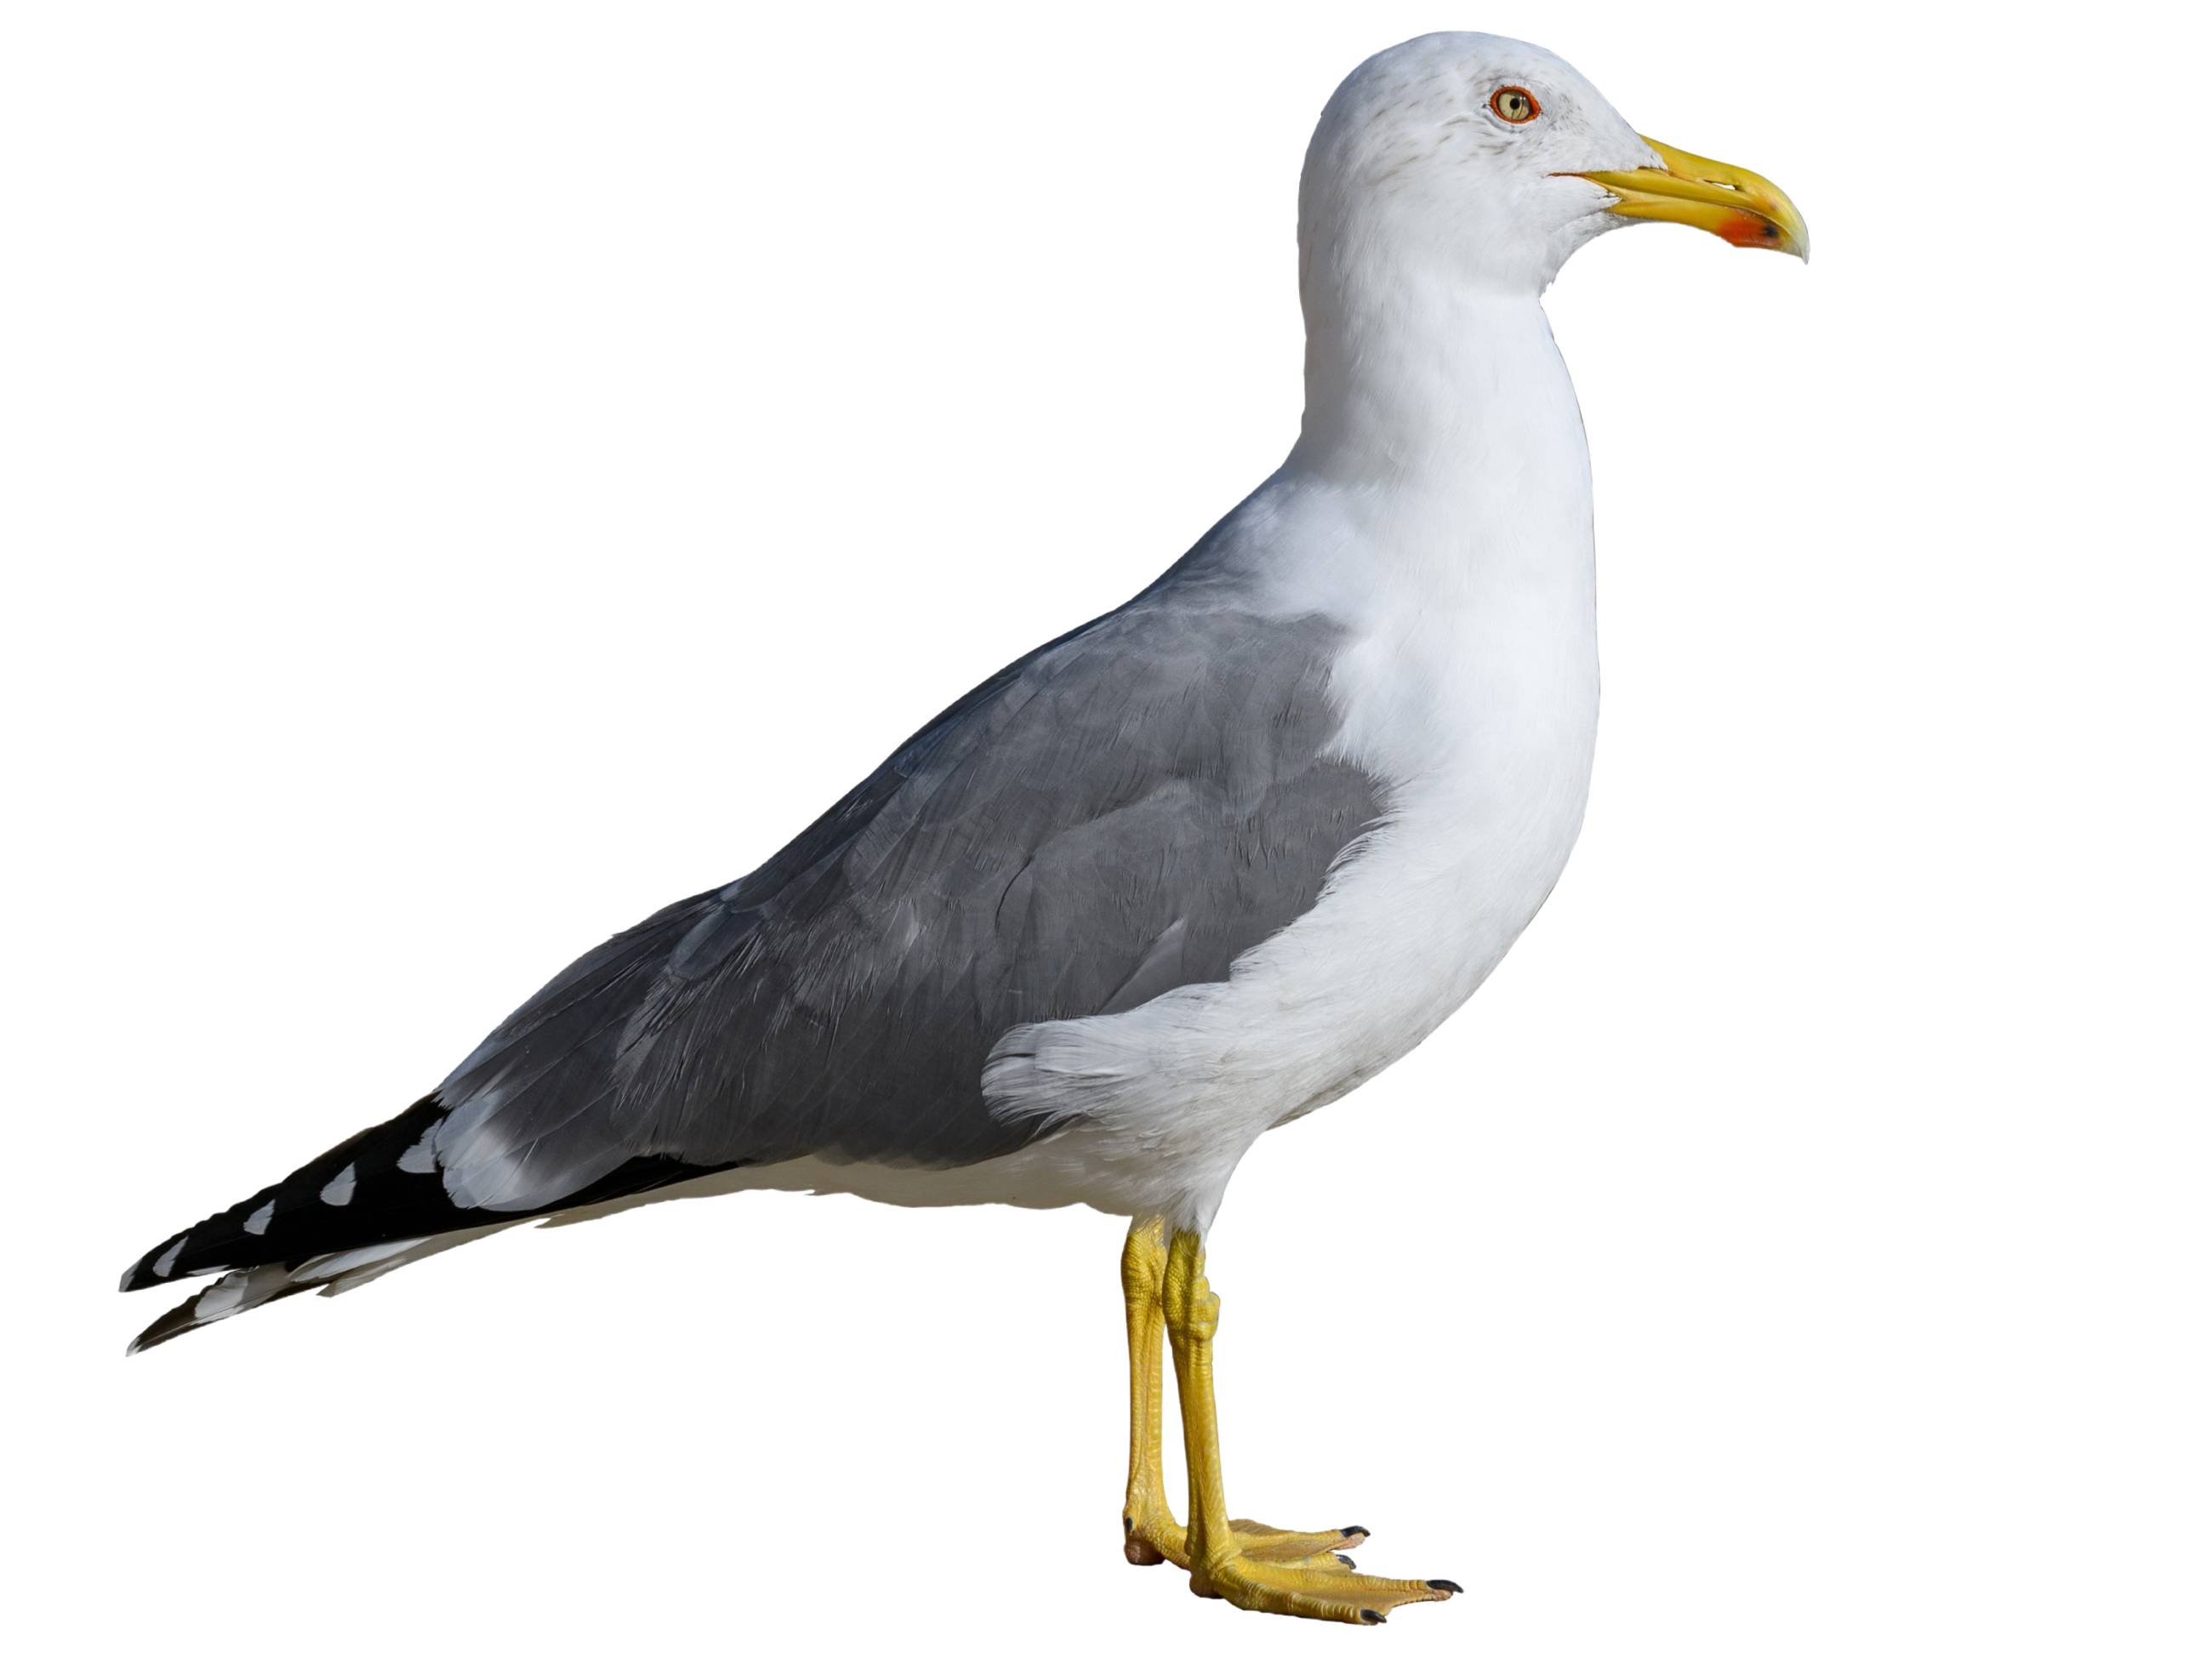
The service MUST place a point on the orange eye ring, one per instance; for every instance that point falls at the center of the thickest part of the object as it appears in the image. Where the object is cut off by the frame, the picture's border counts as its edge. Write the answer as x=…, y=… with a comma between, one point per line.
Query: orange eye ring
x=1514, y=104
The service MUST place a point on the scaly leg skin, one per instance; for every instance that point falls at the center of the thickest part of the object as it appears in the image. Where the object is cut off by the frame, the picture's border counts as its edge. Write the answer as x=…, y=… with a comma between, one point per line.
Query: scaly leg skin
x=1221, y=1563
x=1150, y=1533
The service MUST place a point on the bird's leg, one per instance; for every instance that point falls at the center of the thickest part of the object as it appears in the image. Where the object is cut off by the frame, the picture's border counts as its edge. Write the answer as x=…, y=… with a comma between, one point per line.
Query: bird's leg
x=1150, y=1532
x=1222, y=1562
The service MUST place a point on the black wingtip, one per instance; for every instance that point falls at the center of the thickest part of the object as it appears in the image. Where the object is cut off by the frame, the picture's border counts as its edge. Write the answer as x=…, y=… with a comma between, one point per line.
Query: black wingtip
x=146, y=1272
x=292, y=1220
x=193, y=1314
x=169, y=1327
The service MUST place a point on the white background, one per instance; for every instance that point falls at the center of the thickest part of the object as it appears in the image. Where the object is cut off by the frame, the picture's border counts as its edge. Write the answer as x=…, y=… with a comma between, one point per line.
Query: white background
x=473, y=473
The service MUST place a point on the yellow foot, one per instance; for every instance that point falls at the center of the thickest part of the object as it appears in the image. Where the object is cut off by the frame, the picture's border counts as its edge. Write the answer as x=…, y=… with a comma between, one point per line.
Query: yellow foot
x=1315, y=1548
x=1150, y=1540
x=1315, y=1587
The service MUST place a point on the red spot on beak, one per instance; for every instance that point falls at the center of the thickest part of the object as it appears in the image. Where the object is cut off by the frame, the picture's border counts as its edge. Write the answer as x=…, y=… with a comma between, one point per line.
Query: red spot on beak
x=1747, y=230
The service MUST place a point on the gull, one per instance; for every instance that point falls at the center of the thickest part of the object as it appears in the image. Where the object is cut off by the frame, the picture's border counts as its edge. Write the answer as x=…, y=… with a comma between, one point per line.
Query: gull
x=1198, y=868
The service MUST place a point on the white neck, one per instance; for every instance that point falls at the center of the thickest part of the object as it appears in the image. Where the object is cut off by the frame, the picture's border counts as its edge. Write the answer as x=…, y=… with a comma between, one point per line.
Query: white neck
x=1414, y=379
x=1441, y=456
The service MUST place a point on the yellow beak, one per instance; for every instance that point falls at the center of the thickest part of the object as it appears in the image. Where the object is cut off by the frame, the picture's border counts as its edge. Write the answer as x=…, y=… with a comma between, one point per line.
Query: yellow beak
x=1736, y=206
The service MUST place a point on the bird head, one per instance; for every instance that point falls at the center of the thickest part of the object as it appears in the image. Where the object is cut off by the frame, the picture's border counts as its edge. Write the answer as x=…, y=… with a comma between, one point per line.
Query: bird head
x=1497, y=159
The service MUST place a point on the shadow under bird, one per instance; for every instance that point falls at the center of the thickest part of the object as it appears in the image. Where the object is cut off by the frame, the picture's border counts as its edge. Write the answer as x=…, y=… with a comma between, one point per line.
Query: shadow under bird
x=1189, y=871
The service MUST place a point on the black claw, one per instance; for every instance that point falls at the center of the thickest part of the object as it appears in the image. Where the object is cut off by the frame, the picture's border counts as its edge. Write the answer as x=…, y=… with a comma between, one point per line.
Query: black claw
x=1129, y=1523
x=1368, y=1615
x=1446, y=1584
x=1345, y=1560
x=1355, y=1531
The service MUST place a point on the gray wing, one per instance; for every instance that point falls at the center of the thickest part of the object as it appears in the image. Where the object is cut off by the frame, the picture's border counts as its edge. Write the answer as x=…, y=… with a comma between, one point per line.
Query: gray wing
x=1124, y=811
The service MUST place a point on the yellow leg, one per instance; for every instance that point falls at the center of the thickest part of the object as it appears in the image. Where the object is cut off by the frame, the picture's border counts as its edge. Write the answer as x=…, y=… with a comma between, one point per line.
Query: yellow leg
x=1150, y=1532
x=1316, y=1587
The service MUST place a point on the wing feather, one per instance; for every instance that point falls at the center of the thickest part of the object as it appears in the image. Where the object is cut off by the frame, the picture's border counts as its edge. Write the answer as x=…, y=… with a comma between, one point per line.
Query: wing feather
x=1121, y=813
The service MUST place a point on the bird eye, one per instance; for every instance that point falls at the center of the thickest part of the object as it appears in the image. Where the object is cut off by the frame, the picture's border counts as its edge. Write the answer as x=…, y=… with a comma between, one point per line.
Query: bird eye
x=1514, y=104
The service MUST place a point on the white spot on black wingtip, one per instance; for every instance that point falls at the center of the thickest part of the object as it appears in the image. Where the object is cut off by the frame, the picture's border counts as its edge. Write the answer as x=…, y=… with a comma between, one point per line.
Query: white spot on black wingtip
x=257, y=1223
x=420, y=1158
x=340, y=1189
x=221, y=1299
x=167, y=1259
x=339, y=1264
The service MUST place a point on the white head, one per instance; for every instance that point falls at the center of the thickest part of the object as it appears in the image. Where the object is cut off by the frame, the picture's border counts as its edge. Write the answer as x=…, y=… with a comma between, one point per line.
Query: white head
x=1485, y=162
